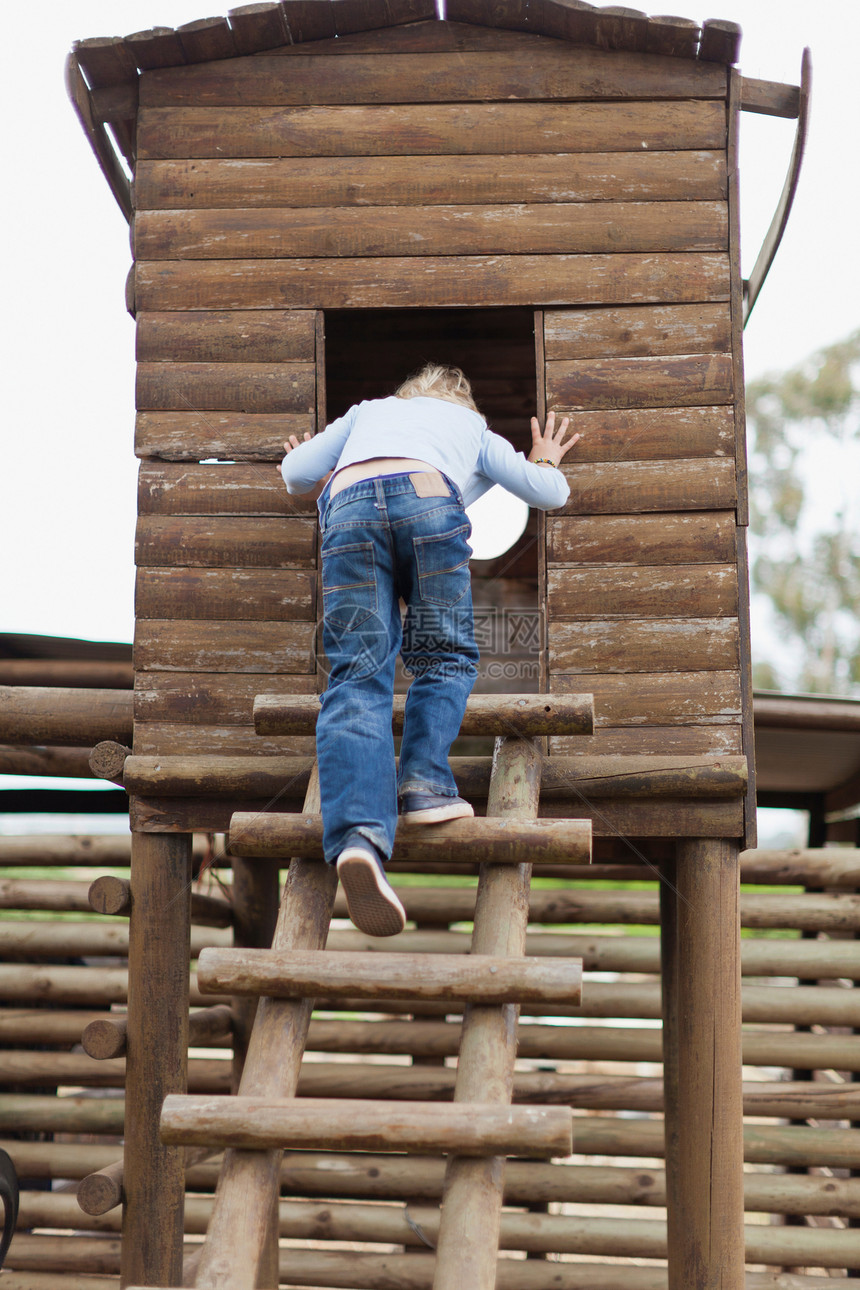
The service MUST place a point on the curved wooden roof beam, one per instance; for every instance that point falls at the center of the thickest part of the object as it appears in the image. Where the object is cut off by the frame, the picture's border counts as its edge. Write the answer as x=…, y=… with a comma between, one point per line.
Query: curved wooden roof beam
x=770, y=246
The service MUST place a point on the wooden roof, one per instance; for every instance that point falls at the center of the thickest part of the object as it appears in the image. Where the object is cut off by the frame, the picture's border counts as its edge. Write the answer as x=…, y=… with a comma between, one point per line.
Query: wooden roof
x=256, y=28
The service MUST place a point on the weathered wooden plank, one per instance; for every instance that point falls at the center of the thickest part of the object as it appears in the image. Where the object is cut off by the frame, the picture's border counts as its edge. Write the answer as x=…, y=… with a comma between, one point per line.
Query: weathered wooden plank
x=665, y=591
x=158, y=738
x=677, y=818
x=229, y=387
x=206, y=39
x=253, y=183
x=233, y=436
x=176, y=541
x=164, y=646
x=637, y=332
x=168, y=488
x=607, y=488
x=257, y=594
x=542, y=228
x=431, y=281
x=675, y=741
x=436, y=129
x=659, y=698
x=708, y=537
x=644, y=645
x=665, y=381
x=648, y=434
x=228, y=337
x=209, y=698
x=551, y=72
x=770, y=98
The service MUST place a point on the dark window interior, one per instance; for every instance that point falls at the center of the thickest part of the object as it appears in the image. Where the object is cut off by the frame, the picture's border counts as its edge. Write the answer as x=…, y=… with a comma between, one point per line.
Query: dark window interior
x=369, y=352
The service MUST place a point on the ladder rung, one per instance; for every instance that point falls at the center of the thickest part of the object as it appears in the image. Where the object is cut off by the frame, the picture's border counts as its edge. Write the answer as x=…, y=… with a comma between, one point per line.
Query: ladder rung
x=476, y=978
x=480, y=839
x=464, y=1128
x=486, y=714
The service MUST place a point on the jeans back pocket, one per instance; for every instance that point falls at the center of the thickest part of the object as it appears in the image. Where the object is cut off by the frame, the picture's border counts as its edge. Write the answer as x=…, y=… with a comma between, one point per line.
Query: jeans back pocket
x=442, y=562
x=349, y=583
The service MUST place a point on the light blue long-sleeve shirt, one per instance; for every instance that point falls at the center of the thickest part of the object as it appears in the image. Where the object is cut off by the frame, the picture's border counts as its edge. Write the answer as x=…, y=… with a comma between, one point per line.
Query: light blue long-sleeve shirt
x=446, y=435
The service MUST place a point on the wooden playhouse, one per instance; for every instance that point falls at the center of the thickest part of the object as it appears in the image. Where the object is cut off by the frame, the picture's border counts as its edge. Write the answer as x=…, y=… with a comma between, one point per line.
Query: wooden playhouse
x=325, y=193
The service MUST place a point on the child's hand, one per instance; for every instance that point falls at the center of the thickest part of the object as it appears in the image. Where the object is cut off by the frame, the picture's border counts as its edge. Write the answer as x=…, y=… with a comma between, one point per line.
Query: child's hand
x=293, y=441
x=549, y=443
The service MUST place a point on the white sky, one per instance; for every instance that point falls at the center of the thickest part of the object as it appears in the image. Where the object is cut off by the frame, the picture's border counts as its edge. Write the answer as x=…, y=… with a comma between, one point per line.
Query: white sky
x=67, y=485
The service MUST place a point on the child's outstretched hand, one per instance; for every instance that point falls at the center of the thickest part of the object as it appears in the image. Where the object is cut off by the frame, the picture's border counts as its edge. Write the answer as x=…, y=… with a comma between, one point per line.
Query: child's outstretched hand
x=293, y=441
x=549, y=443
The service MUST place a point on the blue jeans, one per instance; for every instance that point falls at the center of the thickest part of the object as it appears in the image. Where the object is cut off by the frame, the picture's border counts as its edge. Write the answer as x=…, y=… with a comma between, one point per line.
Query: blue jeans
x=382, y=542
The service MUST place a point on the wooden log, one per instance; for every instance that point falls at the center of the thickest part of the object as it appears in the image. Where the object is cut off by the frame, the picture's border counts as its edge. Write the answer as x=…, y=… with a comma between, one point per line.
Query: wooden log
x=107, y=1037
x=432, y=130
x=270, y=1123
x=18, y=1026
x=704, y=1111
x=263, y=777
x=674, y=698
x=662, y=381
x=397, y=281
x=61, y=715
x=644, y=644
x=157, y=1037
x=565, y=841
x=205, y=697
x=262, y=594
x=282, y=337
x=534, y=1233
x=101, y=1192
x=107, y=759
x=235, y=488
x=642, y=539
x=479, y=978
x=235, y=436
x=550, y=73
x=414, y=1271
x=175, y=646
x=66, y=850
x=822, y=867
x=35, y=1254
x=720, y=41
x=473, y=1191
x=521, y=714
x=112, y=895
x=658, y=591
x=67, y=763
x=385, y=1177
x=693, y=484
x=271, y=1068
x=639, y=333
x=44, y=894
x=539, y=228
x=224, y=542
x=40, y=939
x=240, y=387
x=265, y=182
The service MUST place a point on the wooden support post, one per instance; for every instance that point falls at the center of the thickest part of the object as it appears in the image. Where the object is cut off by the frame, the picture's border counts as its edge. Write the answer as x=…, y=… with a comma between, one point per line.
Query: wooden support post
x=158, y=996
x=702, y=989
x=472, y=1199
x=255, y=916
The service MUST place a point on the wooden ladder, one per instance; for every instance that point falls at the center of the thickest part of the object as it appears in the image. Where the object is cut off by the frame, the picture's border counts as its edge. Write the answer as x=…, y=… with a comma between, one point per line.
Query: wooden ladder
x=482, y=1127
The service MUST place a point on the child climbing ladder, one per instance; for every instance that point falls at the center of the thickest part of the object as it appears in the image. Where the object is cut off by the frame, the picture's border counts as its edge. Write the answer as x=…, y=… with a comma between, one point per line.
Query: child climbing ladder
x=394, y=527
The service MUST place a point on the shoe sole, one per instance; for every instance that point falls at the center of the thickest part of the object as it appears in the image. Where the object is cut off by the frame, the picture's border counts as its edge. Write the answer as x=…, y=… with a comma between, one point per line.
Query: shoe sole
x=438, y=814
x=373, y=906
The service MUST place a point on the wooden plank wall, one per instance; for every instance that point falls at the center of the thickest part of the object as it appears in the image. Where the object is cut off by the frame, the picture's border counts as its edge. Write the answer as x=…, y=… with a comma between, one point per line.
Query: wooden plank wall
x=225, y=597
x=380, y=172
x=642, y=563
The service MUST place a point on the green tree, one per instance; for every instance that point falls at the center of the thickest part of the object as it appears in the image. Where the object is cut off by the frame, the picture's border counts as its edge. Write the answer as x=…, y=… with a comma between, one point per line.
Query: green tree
x=804, y=429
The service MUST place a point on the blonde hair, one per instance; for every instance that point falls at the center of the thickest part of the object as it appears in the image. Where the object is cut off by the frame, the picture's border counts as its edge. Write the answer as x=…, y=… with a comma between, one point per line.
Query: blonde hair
x=435, y=382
